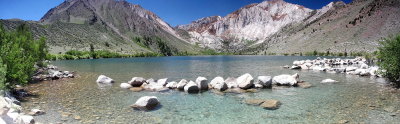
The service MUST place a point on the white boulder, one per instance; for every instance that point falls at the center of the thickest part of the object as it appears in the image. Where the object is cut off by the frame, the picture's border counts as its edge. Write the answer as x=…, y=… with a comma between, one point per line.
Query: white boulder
x=231, y=82
x=191, y=87
x=181, y=84
x=172, y=85
x=202, y=83
x=137, y=81
x=125, y=85
x=162, y=82
x=104, y=80
x=245, y=81
x=285, y=79
x=219, y=84
x=146, y=103
x=265, y=81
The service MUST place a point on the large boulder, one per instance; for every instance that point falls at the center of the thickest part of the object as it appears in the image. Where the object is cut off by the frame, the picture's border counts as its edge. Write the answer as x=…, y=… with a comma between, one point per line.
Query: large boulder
x=219, y=84
x=191, y=87
x=172, y=85
x=146, y=103
x=137, y=81
x=265, y=81
x=202, y=83
x=125, y=85
x=328, y=81
x=162, y=82
x=104, y=80
x=181, y=85
x=288, y=80
x=245, y=81
x=231, y=82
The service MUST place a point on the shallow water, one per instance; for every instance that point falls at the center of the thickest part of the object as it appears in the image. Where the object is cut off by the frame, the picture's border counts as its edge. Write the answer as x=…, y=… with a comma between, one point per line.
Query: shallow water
x=356, y=99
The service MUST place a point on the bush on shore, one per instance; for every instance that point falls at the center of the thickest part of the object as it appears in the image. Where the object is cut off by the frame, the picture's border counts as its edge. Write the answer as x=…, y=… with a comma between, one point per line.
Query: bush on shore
x=19, y=52
x=389, y=59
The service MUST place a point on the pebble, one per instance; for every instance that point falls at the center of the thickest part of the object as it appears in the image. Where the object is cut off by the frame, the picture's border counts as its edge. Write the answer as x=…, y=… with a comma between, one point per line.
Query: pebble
x=77, y=117
x=343, y=121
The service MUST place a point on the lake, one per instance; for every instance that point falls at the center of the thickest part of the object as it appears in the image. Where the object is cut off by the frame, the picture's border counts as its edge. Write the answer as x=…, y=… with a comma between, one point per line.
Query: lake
x=81, y=100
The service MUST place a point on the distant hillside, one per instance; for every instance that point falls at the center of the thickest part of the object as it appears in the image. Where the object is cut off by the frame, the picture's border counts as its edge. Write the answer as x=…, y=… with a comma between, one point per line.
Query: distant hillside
x=276, y=26
x=107, y=24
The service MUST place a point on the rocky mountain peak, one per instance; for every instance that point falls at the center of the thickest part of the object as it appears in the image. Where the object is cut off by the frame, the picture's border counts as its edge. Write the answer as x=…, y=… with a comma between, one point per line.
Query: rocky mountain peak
x=251, y=23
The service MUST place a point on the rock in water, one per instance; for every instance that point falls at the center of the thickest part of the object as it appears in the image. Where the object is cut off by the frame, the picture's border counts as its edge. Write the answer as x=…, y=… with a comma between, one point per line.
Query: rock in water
x=265, y=81
x=191, y=87
x=146, y=103
x=270, y=104
x=162, y=82
x=254, y=101
x=104, y=80
x=304, y=85
x=231, y=82
x=329, y=81
x=289, y=80
x=125, y=85
x=172, y=85
x=181, y=84
x=137, y=81
x=245, y=81
x=219, y=84
x=35, y=112
x=202, y=83
x=136, y=89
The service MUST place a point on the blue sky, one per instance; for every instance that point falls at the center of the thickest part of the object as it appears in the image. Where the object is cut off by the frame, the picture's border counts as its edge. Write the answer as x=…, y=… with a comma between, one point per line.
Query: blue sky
x=174, y=12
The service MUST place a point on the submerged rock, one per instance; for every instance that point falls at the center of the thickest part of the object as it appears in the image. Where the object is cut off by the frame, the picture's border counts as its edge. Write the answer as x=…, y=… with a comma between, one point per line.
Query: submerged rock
x=289, y=80
x=219, y=84
x=137, y=81
x=104, y=80
x=146, y=103
x=202, y=83
x=136, y=89
x=254, y=101
x=270, y=104
x=329, y=81
x=191, y=87
x=36, y=112
x=245, y=81
x=304, y=85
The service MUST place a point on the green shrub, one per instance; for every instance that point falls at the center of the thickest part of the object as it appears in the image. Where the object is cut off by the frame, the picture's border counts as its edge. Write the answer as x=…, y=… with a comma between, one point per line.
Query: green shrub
x=389, y=56
x=19, y=52
x=3, y=70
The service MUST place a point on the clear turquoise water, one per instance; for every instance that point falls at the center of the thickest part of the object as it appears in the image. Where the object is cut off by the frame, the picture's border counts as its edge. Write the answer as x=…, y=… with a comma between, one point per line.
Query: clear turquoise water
x=350, y=99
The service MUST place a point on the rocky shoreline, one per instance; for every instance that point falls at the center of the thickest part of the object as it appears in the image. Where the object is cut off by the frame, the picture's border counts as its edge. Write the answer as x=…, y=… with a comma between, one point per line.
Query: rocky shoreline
x=357, y=66
x=10, y=106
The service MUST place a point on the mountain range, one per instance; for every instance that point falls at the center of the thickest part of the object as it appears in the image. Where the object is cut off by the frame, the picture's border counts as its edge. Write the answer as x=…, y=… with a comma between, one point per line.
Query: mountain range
x=273, y=26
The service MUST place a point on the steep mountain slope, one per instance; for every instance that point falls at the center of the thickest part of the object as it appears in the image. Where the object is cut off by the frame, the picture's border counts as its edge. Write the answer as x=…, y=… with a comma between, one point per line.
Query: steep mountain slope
x=250, y=24
x=108, y=24
x=276, y=26
x=355, y=27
